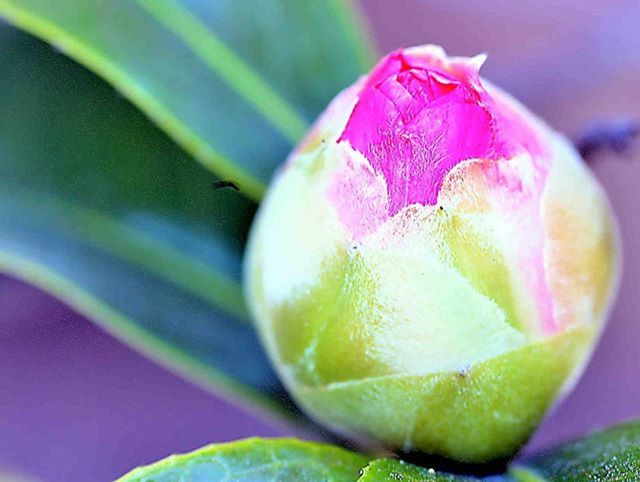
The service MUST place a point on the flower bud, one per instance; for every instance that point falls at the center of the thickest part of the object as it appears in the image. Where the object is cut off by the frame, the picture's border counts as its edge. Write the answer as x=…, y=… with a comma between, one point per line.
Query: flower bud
x=432, y=265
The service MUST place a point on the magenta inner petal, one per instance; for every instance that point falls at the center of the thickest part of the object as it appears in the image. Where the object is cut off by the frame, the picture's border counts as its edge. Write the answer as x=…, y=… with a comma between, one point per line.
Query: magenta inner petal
x=415, y=123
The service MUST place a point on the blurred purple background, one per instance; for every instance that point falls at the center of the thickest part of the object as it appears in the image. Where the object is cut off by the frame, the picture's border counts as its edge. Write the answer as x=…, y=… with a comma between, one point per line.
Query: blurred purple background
x=77, y=405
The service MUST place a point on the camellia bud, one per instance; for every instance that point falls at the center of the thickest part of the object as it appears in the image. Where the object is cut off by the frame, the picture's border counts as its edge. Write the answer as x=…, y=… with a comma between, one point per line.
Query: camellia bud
x=432, y=265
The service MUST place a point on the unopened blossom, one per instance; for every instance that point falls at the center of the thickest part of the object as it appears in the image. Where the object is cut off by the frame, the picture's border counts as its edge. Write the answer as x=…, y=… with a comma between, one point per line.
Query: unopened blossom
x=433, y=264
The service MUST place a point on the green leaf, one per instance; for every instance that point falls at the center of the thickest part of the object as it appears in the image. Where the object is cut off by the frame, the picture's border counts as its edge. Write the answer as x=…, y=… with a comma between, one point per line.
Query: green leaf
x=256, y=460
x=383, y=470
x=610, y=455
x=234, y=83
x=286, y=459
x=99, y=208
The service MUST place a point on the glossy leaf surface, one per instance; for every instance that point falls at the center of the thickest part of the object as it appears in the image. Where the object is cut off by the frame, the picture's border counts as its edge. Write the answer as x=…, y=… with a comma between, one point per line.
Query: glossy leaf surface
x=234, y=86
x=392, y=469
x=100, y=209
x=256, y=460
x=610, y=455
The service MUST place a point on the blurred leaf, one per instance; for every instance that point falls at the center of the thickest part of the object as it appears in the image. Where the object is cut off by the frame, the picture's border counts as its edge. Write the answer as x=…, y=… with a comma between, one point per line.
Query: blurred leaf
x=610, y=455
x=234, y=83
x=256, y=460
x=99, y=208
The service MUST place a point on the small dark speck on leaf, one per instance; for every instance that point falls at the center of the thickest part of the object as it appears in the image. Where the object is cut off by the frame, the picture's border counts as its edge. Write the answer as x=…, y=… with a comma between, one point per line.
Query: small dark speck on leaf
x=613, y=134
x=58, y=48
x=224, y=185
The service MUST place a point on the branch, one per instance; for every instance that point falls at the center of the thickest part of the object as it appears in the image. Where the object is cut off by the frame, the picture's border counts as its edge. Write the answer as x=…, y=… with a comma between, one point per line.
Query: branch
x=616, y=135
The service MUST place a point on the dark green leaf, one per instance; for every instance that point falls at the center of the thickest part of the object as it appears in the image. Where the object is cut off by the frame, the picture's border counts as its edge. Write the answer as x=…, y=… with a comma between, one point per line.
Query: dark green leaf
x=611, y=455
x=256, y=460
x=99, y=208
x=234, y=83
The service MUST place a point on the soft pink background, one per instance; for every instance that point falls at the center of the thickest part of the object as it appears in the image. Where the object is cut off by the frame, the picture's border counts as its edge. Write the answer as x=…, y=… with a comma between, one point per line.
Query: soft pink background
x=77, y=405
